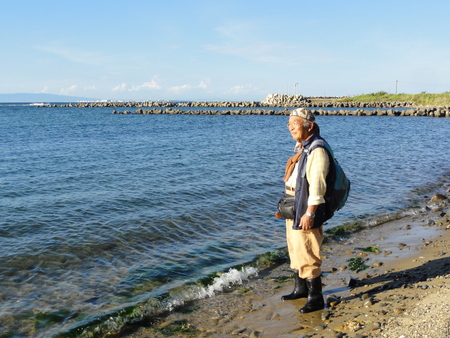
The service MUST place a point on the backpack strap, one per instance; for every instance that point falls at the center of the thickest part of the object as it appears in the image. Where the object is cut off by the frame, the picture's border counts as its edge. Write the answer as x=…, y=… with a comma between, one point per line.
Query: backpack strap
x=315, y=144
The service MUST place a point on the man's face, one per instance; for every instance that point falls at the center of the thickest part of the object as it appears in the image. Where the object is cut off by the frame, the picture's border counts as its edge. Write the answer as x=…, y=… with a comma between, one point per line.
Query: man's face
x=297, y=128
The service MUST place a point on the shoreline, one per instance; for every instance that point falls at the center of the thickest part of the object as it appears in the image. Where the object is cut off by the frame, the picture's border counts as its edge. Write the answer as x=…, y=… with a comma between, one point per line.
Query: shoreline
x=404, y=284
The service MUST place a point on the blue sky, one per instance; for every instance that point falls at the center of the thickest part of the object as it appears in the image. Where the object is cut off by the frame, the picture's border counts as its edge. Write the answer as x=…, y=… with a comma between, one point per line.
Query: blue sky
x=223, y=50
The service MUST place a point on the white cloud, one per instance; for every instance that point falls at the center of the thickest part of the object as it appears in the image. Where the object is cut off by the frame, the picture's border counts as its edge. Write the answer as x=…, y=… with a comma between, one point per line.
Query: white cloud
x=153, y=84
x=202, y=85
x=68, y=91
x=242, y=89
x=120, y=88
x=45, y=90
x=150, y=85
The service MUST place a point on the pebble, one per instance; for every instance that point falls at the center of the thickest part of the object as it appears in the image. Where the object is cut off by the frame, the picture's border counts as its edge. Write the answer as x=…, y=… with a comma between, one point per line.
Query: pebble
x=238, y=331
x=319, y=328
x=368, y=303
x=325, y=315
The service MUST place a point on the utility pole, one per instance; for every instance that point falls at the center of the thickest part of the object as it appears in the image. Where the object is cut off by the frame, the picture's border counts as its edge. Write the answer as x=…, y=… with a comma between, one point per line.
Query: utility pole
x=396, y=84
x=295, y=90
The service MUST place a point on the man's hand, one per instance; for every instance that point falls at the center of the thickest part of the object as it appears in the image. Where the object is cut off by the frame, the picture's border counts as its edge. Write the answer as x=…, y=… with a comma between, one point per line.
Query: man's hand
x=306, y=222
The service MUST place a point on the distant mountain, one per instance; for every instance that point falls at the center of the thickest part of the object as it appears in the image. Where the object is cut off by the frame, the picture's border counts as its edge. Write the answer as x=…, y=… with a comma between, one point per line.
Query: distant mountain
x=41, y=97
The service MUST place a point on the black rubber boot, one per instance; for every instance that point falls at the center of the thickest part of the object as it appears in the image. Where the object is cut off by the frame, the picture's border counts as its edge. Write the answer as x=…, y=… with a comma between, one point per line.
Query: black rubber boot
x=315, y=298
x=300, y=289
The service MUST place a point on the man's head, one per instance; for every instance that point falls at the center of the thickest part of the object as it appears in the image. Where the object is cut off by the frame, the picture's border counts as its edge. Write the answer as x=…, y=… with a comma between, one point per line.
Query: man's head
x=301, y=124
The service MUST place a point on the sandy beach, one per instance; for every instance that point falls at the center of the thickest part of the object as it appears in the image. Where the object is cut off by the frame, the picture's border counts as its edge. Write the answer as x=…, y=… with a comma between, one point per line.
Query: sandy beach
x=403, y=292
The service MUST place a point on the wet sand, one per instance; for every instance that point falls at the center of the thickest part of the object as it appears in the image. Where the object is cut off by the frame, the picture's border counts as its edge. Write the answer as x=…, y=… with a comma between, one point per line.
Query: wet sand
x=404, y=291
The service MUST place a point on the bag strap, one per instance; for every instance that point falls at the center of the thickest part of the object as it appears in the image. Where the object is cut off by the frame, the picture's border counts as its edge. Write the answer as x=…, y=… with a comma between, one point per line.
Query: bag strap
x=315, y=144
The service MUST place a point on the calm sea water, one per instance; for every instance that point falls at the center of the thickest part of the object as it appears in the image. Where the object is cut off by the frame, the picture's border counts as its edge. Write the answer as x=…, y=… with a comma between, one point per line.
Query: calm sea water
x=100, y=211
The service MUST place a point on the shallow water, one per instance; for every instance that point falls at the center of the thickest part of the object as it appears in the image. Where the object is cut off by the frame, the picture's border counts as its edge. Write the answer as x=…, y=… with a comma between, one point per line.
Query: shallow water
x=99, y=211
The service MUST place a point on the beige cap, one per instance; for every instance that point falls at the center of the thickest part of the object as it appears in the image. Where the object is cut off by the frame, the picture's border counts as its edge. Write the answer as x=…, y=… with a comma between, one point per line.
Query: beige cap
x=305, y=113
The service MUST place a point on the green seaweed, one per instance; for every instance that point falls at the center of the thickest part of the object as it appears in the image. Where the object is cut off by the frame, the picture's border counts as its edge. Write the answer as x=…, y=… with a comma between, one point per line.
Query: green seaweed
x=44, y=319
x=357, y=264
x=245, y=290
x=283, y=279
x=369, y=249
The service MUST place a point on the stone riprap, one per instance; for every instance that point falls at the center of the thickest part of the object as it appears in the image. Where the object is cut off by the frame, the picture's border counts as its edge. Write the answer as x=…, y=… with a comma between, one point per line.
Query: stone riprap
x=238, y=104
x=423, y=111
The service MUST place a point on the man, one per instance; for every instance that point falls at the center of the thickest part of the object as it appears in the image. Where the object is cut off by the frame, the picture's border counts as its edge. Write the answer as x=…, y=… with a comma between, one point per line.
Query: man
x=306, y=178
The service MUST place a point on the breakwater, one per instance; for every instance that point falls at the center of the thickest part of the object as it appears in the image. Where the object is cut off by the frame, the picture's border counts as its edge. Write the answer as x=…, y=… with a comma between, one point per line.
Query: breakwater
x=308, y=103
x=422, y=111
x=273, y=104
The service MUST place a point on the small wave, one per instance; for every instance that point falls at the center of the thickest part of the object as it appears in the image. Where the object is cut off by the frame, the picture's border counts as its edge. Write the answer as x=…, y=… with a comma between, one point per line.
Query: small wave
x=114, y=322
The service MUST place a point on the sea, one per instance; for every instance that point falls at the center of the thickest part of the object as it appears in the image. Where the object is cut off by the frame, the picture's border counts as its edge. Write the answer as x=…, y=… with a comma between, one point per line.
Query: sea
x=109, y=218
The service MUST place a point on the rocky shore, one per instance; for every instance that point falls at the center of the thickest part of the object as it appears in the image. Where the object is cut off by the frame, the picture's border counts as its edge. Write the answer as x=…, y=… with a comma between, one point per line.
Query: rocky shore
x=400, y=289
x=273, y=104
x=423, y=111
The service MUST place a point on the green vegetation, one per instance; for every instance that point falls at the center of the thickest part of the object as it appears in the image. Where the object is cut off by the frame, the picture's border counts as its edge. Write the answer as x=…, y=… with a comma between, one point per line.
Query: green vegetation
x=357, y=264
x=422, y=99
x=44, y=319
x=369, y=249
x=346, y=229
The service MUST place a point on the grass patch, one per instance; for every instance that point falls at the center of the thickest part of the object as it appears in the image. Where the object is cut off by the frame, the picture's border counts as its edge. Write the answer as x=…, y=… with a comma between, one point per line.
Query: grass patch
x=422, y=99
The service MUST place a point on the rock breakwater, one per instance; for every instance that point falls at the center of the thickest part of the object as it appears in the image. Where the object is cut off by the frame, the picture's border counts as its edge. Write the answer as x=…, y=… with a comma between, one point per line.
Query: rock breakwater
x=423, y=111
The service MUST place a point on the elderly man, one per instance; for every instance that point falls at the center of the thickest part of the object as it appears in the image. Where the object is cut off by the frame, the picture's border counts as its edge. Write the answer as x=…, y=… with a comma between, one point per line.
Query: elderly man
x=306, y=178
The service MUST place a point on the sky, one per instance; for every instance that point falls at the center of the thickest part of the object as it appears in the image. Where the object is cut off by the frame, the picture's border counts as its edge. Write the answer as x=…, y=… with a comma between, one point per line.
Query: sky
x=233, y=50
